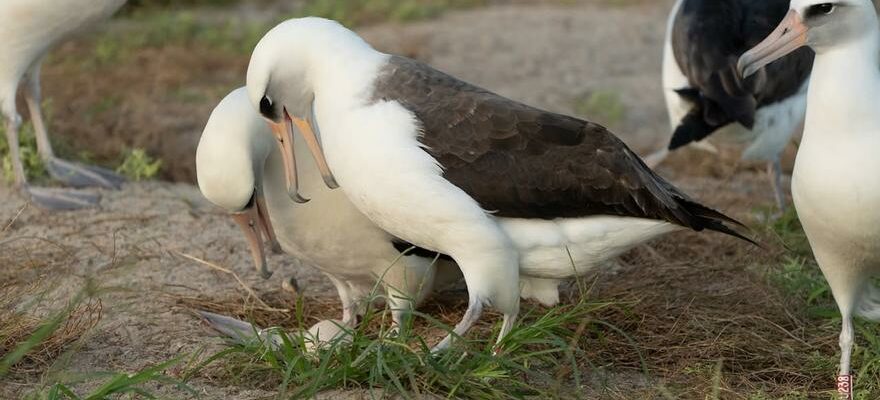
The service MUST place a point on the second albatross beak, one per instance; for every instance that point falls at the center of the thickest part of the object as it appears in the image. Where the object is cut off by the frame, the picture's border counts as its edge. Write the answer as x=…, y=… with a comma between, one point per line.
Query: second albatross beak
x=283, y=132
x=254, y=223
x=790, y=35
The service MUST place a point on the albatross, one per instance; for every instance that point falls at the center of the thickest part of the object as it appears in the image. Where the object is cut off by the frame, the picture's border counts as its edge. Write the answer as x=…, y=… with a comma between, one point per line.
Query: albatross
x=28, y=31
x=834, y=187
x=704, y=93
x=240, y=169
x=504, y=189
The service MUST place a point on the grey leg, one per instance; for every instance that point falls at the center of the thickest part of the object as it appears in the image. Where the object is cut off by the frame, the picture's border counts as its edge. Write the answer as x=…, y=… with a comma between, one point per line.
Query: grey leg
x=774, y=172
x=13, y=123
x=70, y=173
x=471, y=316
x=42, y=197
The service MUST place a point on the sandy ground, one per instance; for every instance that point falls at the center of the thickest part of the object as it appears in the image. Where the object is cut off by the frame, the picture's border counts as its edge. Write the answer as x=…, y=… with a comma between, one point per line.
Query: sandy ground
x=545, y=55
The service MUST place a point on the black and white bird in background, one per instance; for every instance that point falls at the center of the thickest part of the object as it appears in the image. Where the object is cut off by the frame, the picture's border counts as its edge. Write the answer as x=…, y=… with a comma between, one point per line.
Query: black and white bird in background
x=705, y=94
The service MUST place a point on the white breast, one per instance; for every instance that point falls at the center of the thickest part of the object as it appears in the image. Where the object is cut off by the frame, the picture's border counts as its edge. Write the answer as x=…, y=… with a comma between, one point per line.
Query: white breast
x=328, y=232
x=838, y=197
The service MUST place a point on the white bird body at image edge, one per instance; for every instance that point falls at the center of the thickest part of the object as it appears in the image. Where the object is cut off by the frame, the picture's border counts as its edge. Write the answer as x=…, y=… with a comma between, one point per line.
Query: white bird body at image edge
x=31, y=28
x=834, y=184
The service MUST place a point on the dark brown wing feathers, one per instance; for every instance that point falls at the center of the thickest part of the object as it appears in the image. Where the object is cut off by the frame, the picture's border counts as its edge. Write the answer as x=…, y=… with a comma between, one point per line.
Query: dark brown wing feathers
x=522, y=162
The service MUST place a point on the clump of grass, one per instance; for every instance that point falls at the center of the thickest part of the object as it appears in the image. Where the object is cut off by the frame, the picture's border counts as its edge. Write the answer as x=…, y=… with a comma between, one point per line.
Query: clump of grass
x=359, y=12
x=29, y=344
x=603, y=106
x=787, y=228
x=115, y=384
x=537, y=356
x=34, y=168
x=137, y=165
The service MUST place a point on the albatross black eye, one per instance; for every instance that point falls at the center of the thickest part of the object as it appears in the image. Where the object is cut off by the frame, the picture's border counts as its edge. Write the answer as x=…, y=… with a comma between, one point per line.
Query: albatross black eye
x=266, y=107
x=820, y=9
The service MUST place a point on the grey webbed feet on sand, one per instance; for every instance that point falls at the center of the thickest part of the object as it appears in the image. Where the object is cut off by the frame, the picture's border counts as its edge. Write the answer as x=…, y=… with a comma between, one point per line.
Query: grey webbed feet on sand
x=81, y=175
x=59, y=199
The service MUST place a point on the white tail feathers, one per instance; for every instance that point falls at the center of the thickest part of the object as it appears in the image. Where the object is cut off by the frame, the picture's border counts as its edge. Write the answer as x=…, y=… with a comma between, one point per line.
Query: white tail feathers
x=545, y=291
x=869, y=304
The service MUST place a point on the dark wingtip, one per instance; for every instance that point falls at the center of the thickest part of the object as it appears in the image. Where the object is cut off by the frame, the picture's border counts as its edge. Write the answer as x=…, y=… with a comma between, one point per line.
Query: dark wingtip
x=721, y=228
x=715, y=221
x=692, y=128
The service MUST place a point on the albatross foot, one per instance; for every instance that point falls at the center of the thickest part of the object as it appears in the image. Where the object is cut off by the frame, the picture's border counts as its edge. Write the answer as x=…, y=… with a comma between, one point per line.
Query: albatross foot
x=61, y=199
x=80, y=175
x=239, y=331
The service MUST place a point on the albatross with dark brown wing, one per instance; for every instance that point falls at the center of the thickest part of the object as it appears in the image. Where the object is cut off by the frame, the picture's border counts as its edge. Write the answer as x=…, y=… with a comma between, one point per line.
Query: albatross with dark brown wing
x=521, y=162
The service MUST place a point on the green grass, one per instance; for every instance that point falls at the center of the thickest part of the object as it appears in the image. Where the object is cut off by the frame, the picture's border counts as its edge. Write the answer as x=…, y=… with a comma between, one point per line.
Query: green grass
x=60, y=334
x=137, y=165
x=359, y=12
x=537, y=360
x=603, y=106
x=115, y=384
x=30, y=157
x=162, y=28
x=159, y=24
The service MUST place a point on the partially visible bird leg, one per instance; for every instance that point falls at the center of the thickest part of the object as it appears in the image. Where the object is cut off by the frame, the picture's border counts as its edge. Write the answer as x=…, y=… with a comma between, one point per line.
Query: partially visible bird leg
x=13, y=123
x=70, y=173
x=774, y=172
x=52, y=199
x=471, y=316
x=506, y=327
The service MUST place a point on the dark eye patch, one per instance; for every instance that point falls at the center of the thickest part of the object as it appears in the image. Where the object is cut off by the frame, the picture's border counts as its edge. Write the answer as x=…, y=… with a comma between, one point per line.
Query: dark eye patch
x=819, y=10
x=266, y=107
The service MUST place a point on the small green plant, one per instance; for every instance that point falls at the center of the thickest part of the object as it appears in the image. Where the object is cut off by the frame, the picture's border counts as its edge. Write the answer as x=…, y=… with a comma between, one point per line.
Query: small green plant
x=137, y=165
x=603, y=106
x=30, y=156
x=787, y=227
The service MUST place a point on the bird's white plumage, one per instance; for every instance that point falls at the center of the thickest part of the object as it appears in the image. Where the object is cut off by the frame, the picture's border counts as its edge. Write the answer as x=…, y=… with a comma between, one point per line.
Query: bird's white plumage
x=328, y=232
x=835, y=190
x=30, y=28
x=373, y=149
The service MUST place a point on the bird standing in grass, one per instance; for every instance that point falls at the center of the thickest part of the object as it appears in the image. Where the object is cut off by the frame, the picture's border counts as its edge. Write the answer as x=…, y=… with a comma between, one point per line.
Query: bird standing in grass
x=705, y=94
x=835, y=188
x=503, y=188
x=28, y=30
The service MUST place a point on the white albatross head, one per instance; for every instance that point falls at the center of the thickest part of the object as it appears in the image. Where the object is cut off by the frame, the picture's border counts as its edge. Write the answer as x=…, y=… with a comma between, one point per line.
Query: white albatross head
x=281, y=80
x=819, y=24
x=230, y=159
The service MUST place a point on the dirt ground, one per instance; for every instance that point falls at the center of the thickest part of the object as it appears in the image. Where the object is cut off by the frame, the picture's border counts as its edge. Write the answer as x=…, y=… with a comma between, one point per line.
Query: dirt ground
x=135, y=246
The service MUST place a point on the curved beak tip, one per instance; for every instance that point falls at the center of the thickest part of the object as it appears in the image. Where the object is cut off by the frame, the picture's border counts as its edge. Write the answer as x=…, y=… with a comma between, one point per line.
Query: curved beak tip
x=266, y=274
x=297, y=198
x=742, y=67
